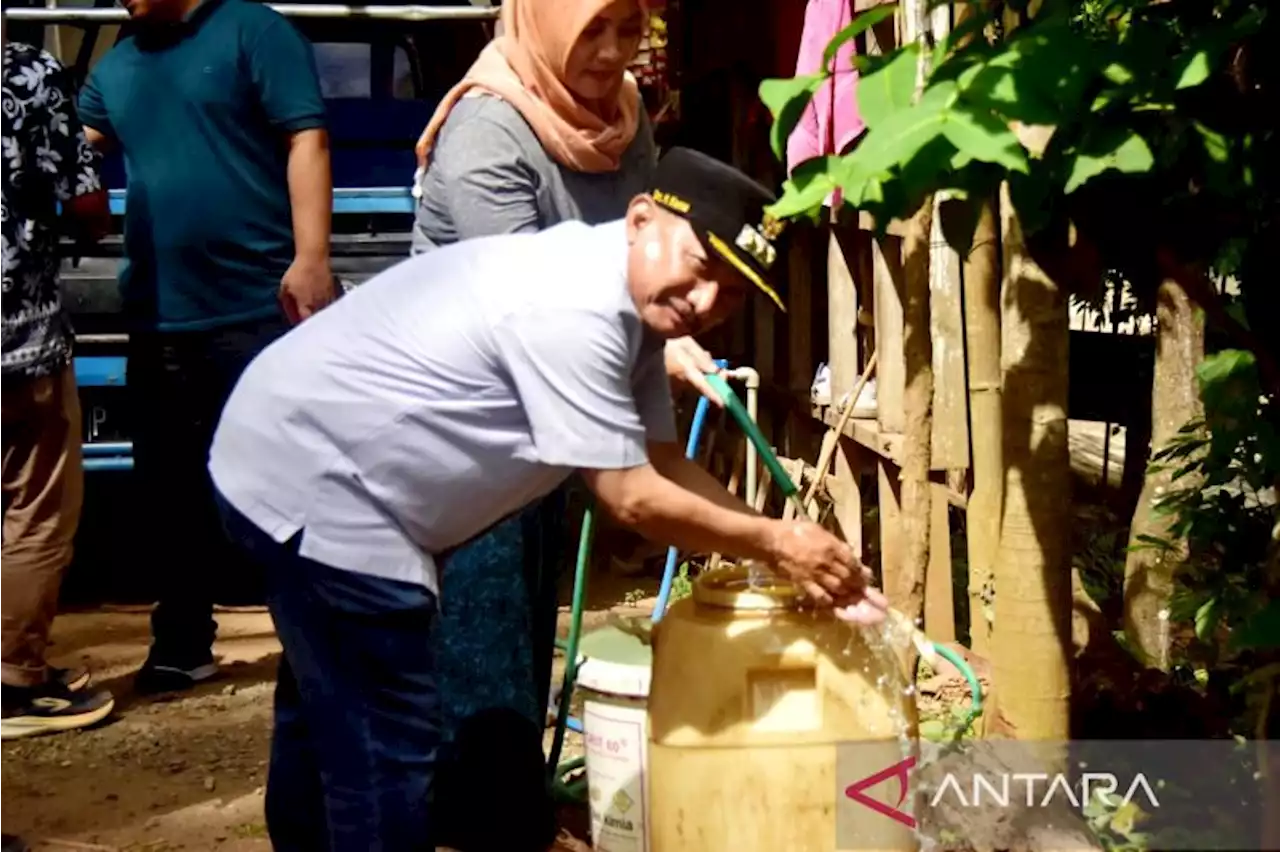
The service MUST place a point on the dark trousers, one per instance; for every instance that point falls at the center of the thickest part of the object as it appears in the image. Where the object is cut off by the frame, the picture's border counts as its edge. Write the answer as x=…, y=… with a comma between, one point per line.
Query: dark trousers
x=178, y=383
x=356, y=736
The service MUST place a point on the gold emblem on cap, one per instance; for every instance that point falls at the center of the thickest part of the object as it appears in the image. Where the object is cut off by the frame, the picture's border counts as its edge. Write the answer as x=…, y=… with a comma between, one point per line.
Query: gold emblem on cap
x=757, y=245
x=771, y=227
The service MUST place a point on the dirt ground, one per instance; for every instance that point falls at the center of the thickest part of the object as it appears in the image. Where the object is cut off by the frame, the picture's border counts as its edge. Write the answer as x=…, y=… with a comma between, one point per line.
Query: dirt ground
x=177, y=773
x=161, y=774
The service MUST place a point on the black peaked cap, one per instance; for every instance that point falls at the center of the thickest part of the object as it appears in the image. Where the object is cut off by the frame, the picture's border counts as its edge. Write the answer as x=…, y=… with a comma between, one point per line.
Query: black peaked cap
x=726, y=208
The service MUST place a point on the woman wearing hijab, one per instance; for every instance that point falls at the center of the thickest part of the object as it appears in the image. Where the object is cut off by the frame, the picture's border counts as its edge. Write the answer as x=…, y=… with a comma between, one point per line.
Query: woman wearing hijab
x=547, y=126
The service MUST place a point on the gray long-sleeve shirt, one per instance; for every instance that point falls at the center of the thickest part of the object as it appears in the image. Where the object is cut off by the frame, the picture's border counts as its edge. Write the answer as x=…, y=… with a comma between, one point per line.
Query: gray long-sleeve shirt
x=489, y=174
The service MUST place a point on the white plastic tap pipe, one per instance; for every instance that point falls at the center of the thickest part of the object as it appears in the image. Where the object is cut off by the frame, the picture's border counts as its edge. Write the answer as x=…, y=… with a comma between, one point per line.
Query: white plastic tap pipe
x=751, y=379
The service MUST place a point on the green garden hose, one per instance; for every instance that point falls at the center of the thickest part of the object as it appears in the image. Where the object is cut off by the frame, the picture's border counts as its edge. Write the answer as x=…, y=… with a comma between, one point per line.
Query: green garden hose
x=562, y=789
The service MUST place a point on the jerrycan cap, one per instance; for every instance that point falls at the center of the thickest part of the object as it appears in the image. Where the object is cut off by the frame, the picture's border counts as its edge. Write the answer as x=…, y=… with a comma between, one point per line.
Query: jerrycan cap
x=735, y=587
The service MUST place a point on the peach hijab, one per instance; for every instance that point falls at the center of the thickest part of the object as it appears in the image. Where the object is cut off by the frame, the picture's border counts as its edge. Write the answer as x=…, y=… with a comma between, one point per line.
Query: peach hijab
x=526, y=65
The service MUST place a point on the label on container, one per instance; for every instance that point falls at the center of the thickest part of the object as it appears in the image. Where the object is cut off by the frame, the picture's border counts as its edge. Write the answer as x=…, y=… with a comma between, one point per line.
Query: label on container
x=617, y=764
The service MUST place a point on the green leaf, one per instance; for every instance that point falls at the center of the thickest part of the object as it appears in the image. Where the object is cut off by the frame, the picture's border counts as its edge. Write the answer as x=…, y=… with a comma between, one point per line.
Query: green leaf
x=1192, y=69
x=1215, y=144
x=978, y=19
x=1103, y=100
x=1207, y=617
x=1047, y=69
x=1222, y=368
x=1118, y=74
x=1001, y=89
x=888, y=86
x=925, y=173
x=1217, y=148
x=1236, y=311
x=902, y=134
x=983, y=136
x=861, y=191
x=1122, y=151
x=1260, y=631
x=809, y=185
x=859, y=25
x=786, y=99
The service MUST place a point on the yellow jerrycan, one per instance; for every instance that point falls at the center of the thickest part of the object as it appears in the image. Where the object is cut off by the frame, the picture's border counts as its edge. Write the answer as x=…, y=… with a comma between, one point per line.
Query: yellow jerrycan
x=764, y=716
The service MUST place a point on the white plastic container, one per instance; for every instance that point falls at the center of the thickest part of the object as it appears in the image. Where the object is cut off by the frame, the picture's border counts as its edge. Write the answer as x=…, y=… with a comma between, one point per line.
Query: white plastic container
x=614, y=681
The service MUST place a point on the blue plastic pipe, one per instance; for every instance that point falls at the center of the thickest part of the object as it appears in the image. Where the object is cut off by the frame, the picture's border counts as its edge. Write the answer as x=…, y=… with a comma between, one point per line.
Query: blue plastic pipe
x=690, y=452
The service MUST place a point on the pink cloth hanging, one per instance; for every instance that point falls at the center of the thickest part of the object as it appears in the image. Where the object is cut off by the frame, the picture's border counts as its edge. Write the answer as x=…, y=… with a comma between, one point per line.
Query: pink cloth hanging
x=831, y=121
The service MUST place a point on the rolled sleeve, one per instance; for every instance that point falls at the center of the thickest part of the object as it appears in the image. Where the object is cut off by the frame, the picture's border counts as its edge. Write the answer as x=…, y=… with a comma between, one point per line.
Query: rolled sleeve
x=572, y=373
x=73, y=163
x=284, y=74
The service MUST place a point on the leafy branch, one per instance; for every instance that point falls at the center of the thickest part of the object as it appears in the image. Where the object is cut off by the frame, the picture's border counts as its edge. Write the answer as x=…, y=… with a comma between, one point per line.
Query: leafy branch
x=1046, y=107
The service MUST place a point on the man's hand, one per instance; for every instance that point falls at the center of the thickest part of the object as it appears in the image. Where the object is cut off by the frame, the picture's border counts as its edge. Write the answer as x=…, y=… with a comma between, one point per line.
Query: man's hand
x=307, y=286
x=826, y=569
x=688, y=363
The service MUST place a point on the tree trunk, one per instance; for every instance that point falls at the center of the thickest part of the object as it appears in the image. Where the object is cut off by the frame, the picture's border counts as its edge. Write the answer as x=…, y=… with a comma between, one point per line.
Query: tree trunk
x=1175, y=400
x=917, y=404
x=1031, y=642
x=982, y=333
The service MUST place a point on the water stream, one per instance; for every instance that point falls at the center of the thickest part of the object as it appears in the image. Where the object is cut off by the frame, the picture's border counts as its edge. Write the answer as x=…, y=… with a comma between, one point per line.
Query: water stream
x=883, y=665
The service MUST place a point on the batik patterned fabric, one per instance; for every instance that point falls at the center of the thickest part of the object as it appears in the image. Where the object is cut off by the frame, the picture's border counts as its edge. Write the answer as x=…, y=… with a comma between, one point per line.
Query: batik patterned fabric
x=493, y=645
x=47, y=160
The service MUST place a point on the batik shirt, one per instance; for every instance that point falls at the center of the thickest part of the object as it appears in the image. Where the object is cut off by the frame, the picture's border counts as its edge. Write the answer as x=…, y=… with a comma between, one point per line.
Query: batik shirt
x=47, y=160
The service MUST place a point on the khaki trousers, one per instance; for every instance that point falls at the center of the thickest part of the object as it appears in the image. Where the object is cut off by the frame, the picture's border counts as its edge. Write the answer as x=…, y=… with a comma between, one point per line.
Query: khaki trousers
x=43, y=487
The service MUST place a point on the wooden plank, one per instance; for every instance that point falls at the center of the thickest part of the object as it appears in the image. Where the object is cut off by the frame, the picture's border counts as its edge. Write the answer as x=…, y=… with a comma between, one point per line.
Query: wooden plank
x=891, y=373
x=949, y=442
x=895, y=227
x=842, y=314
x=939, y=592
x=846, y=492
x=864, y=279
x=889, y=502
x=866, y=433
x=863, y=430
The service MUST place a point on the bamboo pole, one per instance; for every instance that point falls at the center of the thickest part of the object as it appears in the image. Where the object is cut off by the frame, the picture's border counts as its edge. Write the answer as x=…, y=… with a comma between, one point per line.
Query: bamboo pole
x=982, y=334
x=917, y=350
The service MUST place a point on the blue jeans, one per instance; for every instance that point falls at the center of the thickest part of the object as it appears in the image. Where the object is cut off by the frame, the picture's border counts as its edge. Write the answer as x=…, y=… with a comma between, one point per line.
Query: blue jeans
x=357, y=735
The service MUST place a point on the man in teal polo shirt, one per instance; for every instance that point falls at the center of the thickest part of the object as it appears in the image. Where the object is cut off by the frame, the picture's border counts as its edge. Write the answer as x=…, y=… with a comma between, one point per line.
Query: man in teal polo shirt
x=216, y=108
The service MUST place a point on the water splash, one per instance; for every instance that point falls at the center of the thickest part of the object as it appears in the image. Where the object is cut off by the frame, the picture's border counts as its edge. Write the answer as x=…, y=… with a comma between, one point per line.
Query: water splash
x=894, y=684
x=758, y=574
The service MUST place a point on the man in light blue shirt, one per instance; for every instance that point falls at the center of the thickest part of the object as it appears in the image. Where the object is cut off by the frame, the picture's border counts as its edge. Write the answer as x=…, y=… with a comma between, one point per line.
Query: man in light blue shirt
x=436, y=400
